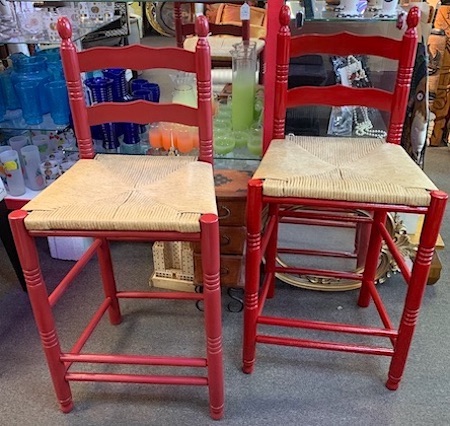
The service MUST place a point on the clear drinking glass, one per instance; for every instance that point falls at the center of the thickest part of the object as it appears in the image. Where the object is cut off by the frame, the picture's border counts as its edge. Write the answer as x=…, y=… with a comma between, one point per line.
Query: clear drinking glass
x=31, y=24
x=31, y=161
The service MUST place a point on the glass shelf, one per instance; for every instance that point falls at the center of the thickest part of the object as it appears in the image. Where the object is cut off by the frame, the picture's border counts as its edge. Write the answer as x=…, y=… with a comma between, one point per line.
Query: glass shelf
x=13, y=120
x=84, y=30
x=319, y=10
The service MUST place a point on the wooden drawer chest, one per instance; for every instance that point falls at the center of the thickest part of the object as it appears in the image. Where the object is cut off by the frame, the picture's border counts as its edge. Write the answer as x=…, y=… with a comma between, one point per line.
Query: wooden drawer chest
x=231, y=193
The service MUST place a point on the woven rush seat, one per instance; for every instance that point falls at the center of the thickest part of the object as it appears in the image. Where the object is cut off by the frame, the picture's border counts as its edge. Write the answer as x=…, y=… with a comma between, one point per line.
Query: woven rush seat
x=337, y=184
x=132, y=198
x=222, y=45
x=127, y=193
x=351, y=169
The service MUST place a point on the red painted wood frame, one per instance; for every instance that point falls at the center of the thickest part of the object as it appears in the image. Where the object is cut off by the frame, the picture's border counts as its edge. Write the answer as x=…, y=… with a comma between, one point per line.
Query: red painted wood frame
x=60, y=362
x=138, y=57
x=263, y=245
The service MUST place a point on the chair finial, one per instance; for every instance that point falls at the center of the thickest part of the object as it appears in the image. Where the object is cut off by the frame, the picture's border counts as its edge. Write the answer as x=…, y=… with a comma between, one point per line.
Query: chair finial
x=413, y=17
x=64, y=28
x=285, y=16
x=201, y=26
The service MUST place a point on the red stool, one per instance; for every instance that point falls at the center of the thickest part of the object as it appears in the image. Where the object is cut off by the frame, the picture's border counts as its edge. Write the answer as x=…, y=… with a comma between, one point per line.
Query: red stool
x=329, y=176
x=137, y=198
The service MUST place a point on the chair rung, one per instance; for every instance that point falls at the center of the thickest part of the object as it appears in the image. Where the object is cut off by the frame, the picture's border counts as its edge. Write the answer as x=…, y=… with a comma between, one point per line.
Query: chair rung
x=319, y=272
x=134, y=360
x=318, y=222
x=137, y=378
x=319, y=344
x=327, y=326
x=74, y=272
x=322, y=215
x=89, y=329
x=324, y=253
x=159, y=295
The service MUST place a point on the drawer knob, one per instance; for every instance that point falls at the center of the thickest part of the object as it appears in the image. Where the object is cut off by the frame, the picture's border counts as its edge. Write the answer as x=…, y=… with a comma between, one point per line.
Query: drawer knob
x=225, y=240
x=224, y=270
x=224, y=212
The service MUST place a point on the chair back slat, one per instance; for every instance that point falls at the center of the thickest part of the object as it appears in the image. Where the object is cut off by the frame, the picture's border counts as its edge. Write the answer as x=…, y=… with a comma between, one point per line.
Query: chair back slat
x=141, y=112
x=137, y=57
x=339, y=96
x=344, y=44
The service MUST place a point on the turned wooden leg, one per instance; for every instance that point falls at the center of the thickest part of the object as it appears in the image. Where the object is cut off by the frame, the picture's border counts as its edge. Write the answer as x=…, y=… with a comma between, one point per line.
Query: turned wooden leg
x=416, y=287
x=109, y=283
x=252, y=273
x=271, y=252
x=372, y=258
x=42, y=311
x=213, y=312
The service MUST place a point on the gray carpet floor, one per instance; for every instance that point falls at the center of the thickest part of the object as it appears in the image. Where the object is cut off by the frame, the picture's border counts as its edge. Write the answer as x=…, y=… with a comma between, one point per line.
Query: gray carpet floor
x=291, y=386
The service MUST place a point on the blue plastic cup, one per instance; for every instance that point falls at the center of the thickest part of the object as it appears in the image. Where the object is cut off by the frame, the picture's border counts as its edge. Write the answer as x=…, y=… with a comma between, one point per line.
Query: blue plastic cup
x=154, y=89
x=59, y=102
x=28, y=92
x=137, y=84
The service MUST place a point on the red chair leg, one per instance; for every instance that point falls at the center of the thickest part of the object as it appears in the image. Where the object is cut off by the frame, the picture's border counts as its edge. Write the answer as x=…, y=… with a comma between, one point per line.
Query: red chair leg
x=43, y=315
x=252, y=273
x=271, y=252
x=212, y=307
x=372, y=258
x=109, y=283
x=416, y=287
x=362, y=243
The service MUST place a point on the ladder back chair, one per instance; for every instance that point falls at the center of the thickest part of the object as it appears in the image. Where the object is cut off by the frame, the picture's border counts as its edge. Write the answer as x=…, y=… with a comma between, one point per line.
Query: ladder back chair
x=132, y=198
x=222, y=35
x=319, y=178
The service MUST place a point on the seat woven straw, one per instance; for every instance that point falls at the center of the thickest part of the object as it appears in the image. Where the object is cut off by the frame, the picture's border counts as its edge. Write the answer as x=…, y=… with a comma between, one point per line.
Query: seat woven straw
x=120, y=192
x=352, y=169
